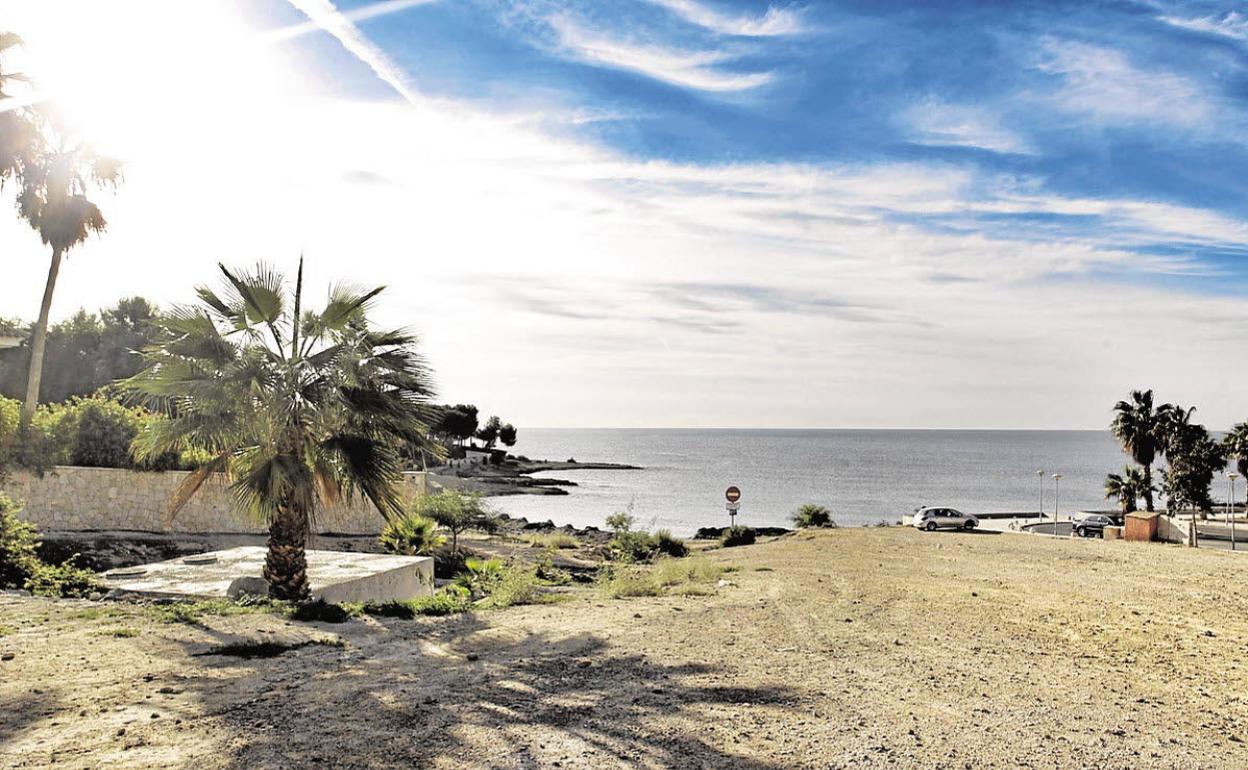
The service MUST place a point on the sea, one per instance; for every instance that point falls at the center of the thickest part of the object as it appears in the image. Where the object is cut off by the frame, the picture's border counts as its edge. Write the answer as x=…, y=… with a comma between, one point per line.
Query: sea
x=864, y=476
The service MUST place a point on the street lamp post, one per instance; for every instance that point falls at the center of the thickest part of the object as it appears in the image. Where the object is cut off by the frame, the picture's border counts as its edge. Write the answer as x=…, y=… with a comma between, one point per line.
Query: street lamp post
x=1230, y=505
x=1040, y=484
x=1057, y=492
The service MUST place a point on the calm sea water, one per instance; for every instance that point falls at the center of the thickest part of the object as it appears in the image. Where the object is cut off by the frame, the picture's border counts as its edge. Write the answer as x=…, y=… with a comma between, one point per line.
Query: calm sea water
x=864, y=476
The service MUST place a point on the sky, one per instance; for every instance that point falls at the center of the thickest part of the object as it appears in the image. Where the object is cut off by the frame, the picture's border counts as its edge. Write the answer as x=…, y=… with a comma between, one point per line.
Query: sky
x=691, y=213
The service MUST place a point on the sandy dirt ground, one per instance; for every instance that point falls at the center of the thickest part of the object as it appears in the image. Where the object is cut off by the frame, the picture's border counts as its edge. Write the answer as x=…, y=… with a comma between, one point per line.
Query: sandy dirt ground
x=847, y=648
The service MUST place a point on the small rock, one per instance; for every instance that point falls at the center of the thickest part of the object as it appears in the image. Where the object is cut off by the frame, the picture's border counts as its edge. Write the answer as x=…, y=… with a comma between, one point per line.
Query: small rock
x=472, y=656
x=8, y=656
x=636, y=614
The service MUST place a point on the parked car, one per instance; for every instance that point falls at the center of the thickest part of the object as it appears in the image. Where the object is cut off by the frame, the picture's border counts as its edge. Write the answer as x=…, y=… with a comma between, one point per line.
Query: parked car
x=930, y=517
x=1094, y=524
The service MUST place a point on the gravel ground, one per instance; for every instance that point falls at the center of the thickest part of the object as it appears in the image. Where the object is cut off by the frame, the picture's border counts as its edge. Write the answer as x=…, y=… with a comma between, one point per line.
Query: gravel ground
x=846, y=648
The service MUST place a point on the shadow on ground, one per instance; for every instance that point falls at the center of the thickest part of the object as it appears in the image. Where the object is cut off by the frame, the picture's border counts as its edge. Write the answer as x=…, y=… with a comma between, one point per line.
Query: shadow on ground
x=16, y=714
x=473, y=696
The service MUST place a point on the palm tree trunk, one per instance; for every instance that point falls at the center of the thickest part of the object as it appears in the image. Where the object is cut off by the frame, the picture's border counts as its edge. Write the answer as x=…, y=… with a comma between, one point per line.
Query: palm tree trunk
x=38, y=341
x=1148, y=488
x=286, y=564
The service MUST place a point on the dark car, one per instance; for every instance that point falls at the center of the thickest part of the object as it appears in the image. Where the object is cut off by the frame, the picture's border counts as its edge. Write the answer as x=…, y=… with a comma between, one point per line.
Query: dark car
x=1094, y=524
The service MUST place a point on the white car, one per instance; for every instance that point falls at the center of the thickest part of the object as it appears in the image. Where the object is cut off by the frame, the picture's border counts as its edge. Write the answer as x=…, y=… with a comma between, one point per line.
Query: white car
x=929, y=518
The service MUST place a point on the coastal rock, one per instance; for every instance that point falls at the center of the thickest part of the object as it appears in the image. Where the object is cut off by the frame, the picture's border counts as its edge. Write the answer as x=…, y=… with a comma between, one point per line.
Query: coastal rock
x=714, y=533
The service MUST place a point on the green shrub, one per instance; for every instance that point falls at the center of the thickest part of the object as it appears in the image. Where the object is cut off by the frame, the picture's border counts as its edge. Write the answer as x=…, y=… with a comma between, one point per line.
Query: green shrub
x=18, y=546
x=411, y=535
x=669, y=545
x=811, y=515
x=456, y=512
x=632, y=546
x=620, y=522
x=517, y=586
x=480, y=576
x=66, y=580
x=21, y=567
x=449, y=602
x=737, y=535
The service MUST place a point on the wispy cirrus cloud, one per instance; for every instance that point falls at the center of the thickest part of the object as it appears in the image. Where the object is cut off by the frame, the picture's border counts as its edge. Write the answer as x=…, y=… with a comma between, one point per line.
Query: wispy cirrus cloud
x=1104, y=84
x=937, y=123
x=698, y=70
x=1232, y=24
x=776, y=21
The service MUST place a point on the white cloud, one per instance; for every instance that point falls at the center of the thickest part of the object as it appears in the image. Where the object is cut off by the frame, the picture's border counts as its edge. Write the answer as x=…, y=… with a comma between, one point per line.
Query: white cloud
x=938, y=123
x=561, y=283
x=1232, y=24
x=776, y=21
x=688, y=69
x=1103, y=83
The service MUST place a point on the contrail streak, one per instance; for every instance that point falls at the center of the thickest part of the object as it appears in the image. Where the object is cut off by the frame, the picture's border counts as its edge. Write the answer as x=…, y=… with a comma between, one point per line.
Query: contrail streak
x=324, y=15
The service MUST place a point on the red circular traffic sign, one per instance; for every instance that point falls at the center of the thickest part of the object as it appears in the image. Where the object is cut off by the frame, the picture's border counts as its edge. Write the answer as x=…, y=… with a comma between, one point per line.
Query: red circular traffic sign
x=732, y=495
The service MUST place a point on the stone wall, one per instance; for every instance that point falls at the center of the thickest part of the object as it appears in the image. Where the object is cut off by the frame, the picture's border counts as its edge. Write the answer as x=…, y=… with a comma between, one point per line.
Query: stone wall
x=72, y=498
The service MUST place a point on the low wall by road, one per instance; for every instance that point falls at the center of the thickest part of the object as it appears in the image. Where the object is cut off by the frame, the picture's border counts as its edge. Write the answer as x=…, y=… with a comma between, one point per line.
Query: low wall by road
x=73, y=498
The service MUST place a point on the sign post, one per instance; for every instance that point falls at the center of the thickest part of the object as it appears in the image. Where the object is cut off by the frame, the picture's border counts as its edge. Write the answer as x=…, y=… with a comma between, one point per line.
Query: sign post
x=733, y=496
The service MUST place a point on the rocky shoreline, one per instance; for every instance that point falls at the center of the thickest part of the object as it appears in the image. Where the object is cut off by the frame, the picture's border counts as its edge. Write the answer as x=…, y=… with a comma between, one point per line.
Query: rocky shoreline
x=515, y=476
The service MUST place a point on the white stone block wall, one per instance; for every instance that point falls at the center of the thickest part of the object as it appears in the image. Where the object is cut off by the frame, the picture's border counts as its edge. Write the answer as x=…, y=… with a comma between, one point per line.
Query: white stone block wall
x=73, y=498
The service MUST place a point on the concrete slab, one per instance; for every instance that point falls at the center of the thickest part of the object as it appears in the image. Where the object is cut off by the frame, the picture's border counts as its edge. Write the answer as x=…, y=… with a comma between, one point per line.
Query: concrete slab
x=336, y=576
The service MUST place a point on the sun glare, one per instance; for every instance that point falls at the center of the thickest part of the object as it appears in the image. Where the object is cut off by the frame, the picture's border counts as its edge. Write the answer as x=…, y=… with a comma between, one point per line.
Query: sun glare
x=136, y=74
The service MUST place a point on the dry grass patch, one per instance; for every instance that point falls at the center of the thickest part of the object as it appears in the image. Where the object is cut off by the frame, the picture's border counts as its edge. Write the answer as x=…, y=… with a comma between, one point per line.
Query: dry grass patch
x=692, y=576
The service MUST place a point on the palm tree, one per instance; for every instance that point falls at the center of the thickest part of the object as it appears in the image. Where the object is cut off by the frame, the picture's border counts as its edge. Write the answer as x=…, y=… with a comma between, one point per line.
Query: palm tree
x=296, y=410
x=1236, y=443
x=55, y=181
x=1126, y=489
x=1139, y=428
x=18, y=137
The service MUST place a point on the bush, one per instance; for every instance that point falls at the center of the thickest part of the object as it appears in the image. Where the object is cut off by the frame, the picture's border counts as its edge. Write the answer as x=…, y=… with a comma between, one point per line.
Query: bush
x=633, y=547
x=811, y=515
x=411, y=535
x=66, y=580
x=456, y=512
x=21, y=567
x=480, y=576
x=495, y=585
x=669, y=545
x=517, y=586
x=18, y=546
x=447, y=602
x=737, y=535
x=620, y=522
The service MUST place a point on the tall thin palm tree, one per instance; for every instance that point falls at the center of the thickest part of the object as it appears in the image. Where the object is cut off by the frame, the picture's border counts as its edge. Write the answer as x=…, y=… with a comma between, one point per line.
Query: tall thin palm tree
x=296, y=409
x=1140, y=429
x=55, y=182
